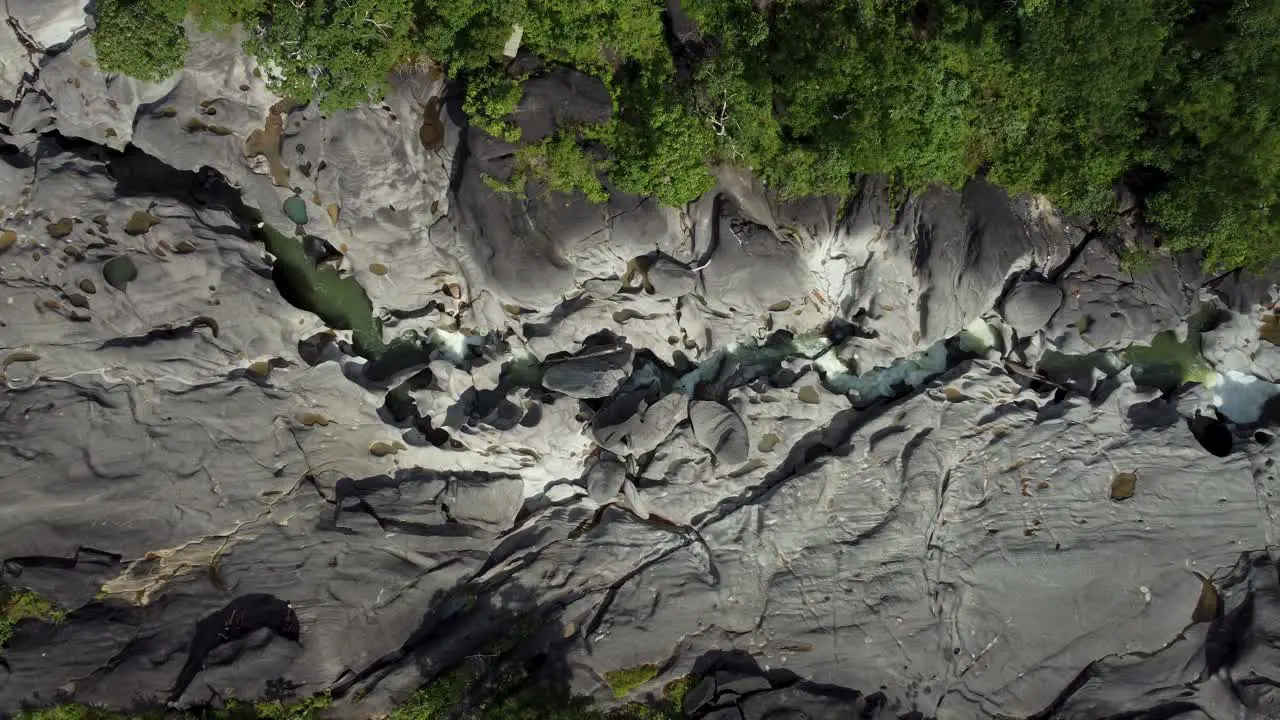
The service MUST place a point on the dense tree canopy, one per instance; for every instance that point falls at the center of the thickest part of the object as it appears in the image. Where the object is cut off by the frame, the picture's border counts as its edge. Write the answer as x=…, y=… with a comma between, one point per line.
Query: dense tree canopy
x=1180, y=98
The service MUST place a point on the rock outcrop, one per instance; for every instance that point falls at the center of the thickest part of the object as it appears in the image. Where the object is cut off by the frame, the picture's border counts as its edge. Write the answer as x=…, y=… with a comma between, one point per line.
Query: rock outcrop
x=893, y=449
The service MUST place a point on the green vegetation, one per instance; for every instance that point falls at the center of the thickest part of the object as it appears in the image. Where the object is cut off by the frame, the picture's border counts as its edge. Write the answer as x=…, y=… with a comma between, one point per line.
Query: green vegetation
x=449, y=697
x=562, y=165
x=142, y=39
x=18, y=605
x=512, y=698
x=310, y=708
x=676, y=690
x=492, y=96
x=623, y=681
x=1175, y=97
x=337, y=52
x=305, y=709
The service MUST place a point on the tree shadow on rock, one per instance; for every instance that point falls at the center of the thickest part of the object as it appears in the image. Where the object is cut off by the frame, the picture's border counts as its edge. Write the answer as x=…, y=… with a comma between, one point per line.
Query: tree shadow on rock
x=732, y=686
x=477, y=650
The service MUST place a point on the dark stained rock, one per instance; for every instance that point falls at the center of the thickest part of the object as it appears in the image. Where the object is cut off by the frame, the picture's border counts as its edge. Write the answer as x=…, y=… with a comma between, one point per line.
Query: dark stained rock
x=561, y=98
x=593, y=373
x=1213, y=434
x=635, y=423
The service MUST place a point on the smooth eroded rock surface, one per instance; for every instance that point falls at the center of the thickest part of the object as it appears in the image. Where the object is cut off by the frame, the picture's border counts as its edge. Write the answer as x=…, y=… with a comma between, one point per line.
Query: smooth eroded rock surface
x=832, y=460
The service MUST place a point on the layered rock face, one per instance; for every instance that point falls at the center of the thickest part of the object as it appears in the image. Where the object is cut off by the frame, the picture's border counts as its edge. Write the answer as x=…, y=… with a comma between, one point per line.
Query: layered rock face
x=315, y=374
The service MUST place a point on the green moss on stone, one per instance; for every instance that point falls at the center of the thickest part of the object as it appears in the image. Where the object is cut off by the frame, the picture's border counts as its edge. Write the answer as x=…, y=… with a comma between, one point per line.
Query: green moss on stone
x=437, y=700
x=309, y=708
x=676, y=691
x=623, y=681
x=16, y=605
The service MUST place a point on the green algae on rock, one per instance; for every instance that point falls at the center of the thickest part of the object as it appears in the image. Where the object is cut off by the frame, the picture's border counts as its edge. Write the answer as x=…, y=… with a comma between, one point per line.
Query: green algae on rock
x=623, y=681
x=311, y=419
x=140, y=223
x=197, y=125
x=17, y=605
x=1123, y=485
x=768, y=442
x=383, y=449
x=60, y=229
x=119, y=271
x=310, y=708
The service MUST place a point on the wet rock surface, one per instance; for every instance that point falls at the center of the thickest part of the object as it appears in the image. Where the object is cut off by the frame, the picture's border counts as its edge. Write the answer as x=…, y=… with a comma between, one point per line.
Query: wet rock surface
x=878, y=451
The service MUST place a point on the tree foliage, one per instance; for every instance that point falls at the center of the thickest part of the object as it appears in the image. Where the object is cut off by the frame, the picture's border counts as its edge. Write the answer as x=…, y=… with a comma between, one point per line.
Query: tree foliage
x=337, y=52
x=141, y=38
x=1059, y=97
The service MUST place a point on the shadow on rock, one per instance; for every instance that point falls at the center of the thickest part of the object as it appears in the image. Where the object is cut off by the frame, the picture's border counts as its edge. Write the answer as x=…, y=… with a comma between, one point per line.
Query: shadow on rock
x=1223, y=664
x=241, y=617
x=733, y=686
x=492, y=649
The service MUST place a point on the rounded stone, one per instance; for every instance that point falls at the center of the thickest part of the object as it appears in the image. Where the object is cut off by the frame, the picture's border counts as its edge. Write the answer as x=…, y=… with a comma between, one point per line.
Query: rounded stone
x=1030, y=306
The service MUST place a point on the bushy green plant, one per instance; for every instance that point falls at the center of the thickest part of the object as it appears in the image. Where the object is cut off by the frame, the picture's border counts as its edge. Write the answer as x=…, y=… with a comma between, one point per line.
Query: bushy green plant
x=336, y=52
x=141, y=38
x=1216, y=137
x=562, y=165
x=492, y=96
x=221, y=15
x=661, y=145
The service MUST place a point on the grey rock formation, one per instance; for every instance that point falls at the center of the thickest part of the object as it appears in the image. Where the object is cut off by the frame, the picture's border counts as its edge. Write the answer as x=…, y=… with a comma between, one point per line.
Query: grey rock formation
x=1108, y=308
x=1247, y=342
x=647, y=435
x=1031, y=305
x=596, y=372
x=561, y=98
x=49, y=23
x=721, y=430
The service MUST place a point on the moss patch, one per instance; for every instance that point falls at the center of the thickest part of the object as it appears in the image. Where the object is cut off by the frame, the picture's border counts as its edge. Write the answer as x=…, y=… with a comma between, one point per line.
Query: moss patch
x=623, y=681
x=16, y=605
x=309, y=708
x=452, y=696
x=436, y=700
x=676, y=691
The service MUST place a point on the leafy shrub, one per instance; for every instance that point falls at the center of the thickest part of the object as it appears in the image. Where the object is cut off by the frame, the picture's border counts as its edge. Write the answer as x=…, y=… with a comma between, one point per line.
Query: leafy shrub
x=336, y=52
x=141, y=38
x=661, y=145
x=492, y=96
x=561, y=164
